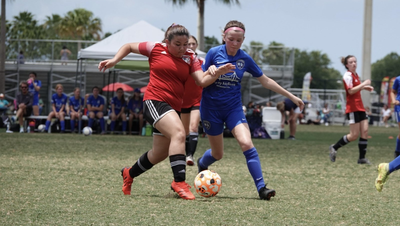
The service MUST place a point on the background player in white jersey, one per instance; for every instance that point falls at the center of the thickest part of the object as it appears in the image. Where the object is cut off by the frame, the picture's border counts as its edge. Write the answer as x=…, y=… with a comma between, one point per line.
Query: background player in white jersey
x=355, y=111
x=221, y=104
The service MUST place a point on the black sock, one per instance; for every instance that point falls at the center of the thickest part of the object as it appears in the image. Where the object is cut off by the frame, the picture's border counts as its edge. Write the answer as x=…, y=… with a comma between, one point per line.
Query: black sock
x=142, y=165
x=396, y=154
x=362, y=147
x=178, y=165
x=193, y=137
x=187, y=148
x=342, y=142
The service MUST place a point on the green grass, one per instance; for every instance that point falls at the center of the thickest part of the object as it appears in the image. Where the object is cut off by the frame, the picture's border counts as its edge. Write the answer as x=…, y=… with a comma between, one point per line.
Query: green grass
x=69, y=179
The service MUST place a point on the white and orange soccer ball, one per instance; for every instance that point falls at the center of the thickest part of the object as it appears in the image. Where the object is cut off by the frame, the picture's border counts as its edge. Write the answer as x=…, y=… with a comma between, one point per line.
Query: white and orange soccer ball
x=207, y=183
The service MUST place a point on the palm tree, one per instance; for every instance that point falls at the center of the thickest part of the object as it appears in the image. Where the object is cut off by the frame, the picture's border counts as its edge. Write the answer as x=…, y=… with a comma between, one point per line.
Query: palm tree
x=80, y=24
x=200, y=20
x=52, y=26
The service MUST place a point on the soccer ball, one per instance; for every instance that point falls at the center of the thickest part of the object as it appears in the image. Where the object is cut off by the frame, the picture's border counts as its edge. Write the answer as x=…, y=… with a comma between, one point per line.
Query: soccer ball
x=41, y=128
x=207, y=183
x=87, y=131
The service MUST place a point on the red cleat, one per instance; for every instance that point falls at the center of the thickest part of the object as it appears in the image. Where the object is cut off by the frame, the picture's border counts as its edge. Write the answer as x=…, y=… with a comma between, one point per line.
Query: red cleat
x=126, y=187
x=182, y=188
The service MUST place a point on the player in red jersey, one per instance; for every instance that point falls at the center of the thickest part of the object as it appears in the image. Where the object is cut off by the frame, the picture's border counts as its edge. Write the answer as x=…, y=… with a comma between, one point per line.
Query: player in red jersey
x=355, y=111
x=171, y=63
x=190, y=113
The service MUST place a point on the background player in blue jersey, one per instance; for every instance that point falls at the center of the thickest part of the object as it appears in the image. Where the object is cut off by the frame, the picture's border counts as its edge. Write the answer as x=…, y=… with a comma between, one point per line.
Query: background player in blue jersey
x=135, y=107
x=58, y=102
x=34, y=88
x=95, y=104
x=385, y=169
x=118, y=105
x=294, y=111
x=76, y=103
x=222, y=103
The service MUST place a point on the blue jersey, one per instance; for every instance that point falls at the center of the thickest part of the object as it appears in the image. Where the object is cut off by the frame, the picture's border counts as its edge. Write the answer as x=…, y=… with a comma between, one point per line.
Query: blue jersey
x=95, y=102
x=32, y=90
x=135, y=105
x=396, y=87
x=118, y=105
x=76, y=104
x=225, y=93
x=59, y=101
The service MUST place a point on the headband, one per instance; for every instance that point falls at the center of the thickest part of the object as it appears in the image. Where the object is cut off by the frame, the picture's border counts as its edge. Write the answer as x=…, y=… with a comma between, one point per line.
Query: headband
x=235, y=29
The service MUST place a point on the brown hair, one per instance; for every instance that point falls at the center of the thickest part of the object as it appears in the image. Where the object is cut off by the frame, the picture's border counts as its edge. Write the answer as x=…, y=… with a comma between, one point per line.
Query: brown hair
x=345, y=59
x=23, y=83
x=233, y=23
x=76, y=88
x=123, y=96
x=175, y=30
x=58, y=86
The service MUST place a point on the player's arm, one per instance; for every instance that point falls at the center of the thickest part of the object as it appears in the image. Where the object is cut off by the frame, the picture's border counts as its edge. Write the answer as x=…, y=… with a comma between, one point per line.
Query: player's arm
x=208, y=77
x=364, y=85
x=100, y=108
x=272, y=85
x=122, y=52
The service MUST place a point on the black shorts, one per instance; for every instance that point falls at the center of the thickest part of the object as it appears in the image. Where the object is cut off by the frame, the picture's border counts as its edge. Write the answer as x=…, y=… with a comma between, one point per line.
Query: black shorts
x=28, y=111
x=188, y=110
x=154, y=110
x=356, y=117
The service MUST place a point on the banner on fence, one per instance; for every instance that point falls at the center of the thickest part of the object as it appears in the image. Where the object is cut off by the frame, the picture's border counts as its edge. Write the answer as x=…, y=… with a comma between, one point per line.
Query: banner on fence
x=306, y=87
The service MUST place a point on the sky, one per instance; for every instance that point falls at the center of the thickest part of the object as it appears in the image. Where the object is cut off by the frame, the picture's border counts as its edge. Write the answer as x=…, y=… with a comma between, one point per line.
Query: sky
x=334, y=27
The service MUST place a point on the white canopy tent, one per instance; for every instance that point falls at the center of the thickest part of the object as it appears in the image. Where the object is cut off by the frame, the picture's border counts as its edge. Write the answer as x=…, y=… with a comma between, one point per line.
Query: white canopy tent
x=138, y=32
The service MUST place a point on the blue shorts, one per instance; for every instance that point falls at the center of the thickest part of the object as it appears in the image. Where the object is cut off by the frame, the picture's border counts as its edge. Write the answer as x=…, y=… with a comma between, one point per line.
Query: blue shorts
x=397, y=116
x=213, y=120
x=95, y=112
x=35, y=101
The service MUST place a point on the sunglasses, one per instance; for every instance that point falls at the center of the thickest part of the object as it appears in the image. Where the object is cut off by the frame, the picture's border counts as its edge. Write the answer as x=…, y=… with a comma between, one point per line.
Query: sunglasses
x=24, y=87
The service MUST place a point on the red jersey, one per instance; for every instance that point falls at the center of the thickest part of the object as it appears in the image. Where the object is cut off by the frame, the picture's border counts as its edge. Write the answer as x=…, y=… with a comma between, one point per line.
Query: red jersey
x=192, y=95
x=168, y=74
x=353, y=102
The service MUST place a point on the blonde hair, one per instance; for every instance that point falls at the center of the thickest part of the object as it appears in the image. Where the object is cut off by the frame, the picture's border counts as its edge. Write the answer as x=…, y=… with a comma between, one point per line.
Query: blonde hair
x=280, y=106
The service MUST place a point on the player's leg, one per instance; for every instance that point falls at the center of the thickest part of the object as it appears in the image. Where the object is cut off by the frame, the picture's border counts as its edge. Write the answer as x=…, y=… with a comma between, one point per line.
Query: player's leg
x=185, y=118
x=73, y=117
x=62, y=122
x=92, y=115
x=397, y=150
x=131, y=116
x=48, y=121
x=100, y=116
x=363, y=142
x=123, y=117
x=113, y=119
x=193, y=135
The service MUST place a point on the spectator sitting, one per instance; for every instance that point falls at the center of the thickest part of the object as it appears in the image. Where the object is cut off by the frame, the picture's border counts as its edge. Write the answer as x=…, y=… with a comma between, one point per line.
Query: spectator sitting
x=75, y=106
x=326, y=114
x=4, y=105
x=250, y=108
x=58, y=102
x=24, y=104
x=316, y=121
x=386, y=115
x=95, y=104
x=135, y=107
x=118, y=105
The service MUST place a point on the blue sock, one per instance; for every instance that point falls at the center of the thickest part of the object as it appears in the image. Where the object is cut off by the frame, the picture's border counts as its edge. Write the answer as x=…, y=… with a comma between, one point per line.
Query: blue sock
x=47, y=124
x=102, y=124
x=398, y=145
x=90, y=122
x=112, y=126
x=207, y=159
x=254, y=165
x=72, y=125
x=124, y=126
x=394, y=165
x=62, y=123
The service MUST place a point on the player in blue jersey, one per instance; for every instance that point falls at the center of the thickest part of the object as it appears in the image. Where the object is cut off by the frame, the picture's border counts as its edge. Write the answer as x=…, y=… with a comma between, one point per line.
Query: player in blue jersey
x=76, y=103
x=385, y=169
x=58, y=102
x=118, y=106
x=221, y=104
x=34, y=88
x=135, y=107
x=95, y=104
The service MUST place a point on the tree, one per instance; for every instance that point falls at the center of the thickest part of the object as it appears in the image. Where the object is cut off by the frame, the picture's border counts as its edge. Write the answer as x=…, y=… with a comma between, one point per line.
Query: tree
x=200, y=20
x=210, y=42
x=316, y=62
x=255, y=51
x=52, y=26
x=276, y=54
x=80, y=24
x=387, y=66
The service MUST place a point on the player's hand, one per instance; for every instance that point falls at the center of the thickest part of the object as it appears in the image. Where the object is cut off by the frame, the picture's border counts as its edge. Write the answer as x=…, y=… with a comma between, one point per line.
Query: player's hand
x=298, y=102
x=367, y=82
x=224, y=69
x=369, y=88
x=106, y=64
x=212, y=69
x=397, y=102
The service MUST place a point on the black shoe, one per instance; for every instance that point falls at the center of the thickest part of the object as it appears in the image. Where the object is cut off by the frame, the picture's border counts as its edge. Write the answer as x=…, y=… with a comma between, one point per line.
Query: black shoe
x=291, y=138
x=364, y=161
x=266, y=193
x=199, y=167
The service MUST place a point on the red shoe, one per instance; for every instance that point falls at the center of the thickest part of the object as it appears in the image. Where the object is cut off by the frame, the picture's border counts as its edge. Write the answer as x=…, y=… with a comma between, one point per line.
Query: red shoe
x=182, y=188
x=126, y=187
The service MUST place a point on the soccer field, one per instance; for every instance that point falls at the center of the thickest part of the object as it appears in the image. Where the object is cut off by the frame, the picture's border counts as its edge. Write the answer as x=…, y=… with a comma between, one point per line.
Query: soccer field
x=70, y=179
